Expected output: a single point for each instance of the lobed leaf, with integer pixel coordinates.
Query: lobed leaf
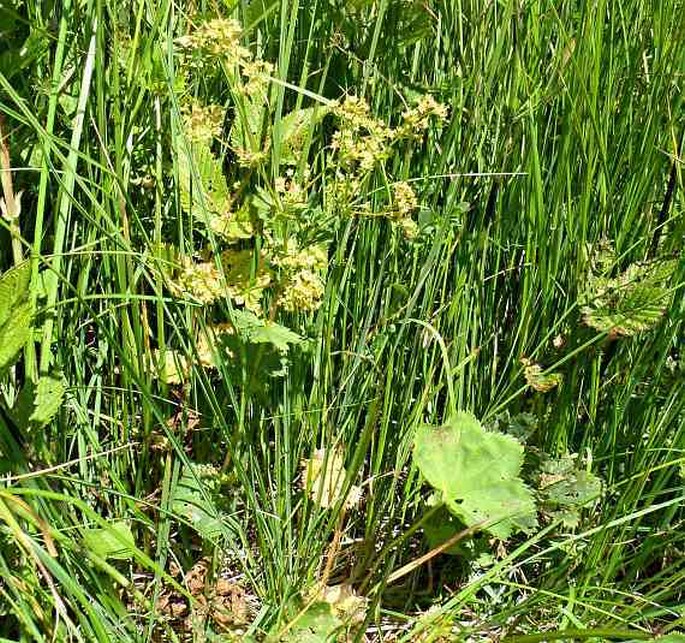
(477, 474)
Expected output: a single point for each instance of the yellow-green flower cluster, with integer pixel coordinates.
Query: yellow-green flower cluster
(218, 38)
(416, 121)
(404, 199)
(301, 286)
(404, 205)
(202, 124)
(342, 195)
(249, 158)
(256, 75)
(361, 140)
(314, 257)
(203, 281)
(303, 292)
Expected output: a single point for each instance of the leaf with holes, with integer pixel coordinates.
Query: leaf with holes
(632, 302)
(476, 474)
(536, 377)
(564, 489)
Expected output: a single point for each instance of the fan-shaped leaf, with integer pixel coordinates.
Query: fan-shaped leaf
(477, 474)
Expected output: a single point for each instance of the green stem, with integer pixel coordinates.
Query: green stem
(65, 203)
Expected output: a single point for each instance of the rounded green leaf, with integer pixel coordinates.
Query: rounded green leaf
(477, 474)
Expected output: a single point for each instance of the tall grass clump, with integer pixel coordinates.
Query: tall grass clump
(354, 321)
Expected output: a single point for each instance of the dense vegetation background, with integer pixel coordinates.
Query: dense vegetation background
(255, 253)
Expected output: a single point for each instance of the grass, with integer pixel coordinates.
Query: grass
(564, 136)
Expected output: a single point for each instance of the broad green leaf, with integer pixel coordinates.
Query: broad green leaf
(18, 50)
(14, 334)
(440, 527)
(673, 637)
(194, 498)
(113, 542)
(38, 403)
(318, 624)
(208, 198)
(631, 303)
(258, 331)
(14, 290)
(16, 314)
(247, 131)
(246, 284)
(476, 474)
(324, 476)
(262, 347)
(296, 129)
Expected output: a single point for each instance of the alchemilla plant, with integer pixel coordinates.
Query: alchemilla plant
(266, 233)
(341, 321)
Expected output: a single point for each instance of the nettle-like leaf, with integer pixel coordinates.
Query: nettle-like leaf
(248, 128)
(296, 129)
(565, 489)
(113, 542)
(250, 349)
(208, 198)
(38, 403)
(259, 331)
(632, 302)
(520, 426)
(476, 474)
(194, 499)
(16, 313)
